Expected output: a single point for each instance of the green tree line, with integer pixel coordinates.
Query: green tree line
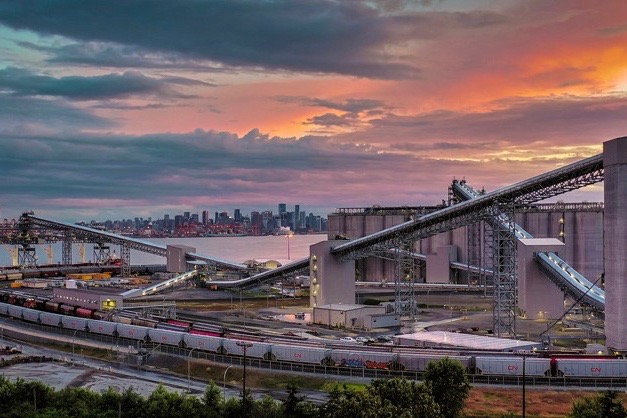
(441, 395)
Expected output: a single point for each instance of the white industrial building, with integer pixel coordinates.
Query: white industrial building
(354, 316)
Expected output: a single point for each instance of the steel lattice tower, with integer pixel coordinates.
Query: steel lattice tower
(125, 256)
(404, 274)
(503, 242)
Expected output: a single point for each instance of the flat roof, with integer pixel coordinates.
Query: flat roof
(470, 341)
(345, 307)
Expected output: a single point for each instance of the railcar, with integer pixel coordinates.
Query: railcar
(102, 327)
(369, 360)
(510, 365)
(256, 349)
(203, 342)
(73, 322)
(591, 367)
(301, 354)
(132, 332)
(165, 336)
(31, 315)
(49, 318)
(420, 361)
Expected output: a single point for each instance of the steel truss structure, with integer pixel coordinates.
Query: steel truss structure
(404, 277)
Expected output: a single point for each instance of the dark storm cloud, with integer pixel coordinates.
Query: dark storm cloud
(22, 114)
(21, 82)
(330, 120)
(311, 35)
(562, 121)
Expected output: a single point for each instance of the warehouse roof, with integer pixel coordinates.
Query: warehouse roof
(467, 341)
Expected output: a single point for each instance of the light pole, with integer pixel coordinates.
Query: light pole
(189, 383)
(73, 335)
(524, 377)
(224, 382)
(288, 245)
(244, 345)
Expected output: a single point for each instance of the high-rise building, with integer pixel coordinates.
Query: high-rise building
(282, 208)
(295, 218)
(205, 217)
(237, 215)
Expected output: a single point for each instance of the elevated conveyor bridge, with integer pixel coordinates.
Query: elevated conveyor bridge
(556, 269)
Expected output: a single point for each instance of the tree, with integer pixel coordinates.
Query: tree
(449, 385)
(605, 404)
(401, 397)
(296, 407)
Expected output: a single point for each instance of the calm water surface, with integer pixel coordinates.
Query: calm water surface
(237, 249)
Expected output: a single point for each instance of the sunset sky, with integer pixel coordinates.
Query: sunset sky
(117, 109)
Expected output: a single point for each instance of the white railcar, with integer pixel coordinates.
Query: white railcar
(72, 322)
(300, 354)
(102, 327)
(257, 349)
(203, 342)
(132, 332)
(419, 361)
(31, 315)
(4, 309)
(15, 311)
(49, 318)
(166, 336)
(591, 367)
(510, 365)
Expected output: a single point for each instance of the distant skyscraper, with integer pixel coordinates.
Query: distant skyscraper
(237, 214)
(205, 217)
(186, 216)
(296, 218)
(282, 208)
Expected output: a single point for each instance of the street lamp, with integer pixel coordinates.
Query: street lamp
(244, 345)
(224, 382)
(524, 377)
(189, 384)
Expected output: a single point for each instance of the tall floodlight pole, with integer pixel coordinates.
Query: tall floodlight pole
(244, 345)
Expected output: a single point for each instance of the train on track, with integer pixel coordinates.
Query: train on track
(214, 339)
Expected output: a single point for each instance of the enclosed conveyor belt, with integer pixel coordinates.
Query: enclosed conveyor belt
(556, 269)
(568, 279)
(159, 287)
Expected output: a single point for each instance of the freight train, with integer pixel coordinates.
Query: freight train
(330, 356)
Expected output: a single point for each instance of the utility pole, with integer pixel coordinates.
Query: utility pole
(244, 345)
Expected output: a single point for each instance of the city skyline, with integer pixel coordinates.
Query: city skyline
(148, 107)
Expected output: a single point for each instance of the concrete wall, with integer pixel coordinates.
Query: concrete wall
(439, 264)
(176, 262)
(332, 280)
(538, 297)
(615, 224)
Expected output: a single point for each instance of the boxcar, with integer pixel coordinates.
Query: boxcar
(4, 309)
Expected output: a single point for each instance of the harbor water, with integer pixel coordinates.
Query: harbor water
(237, 249)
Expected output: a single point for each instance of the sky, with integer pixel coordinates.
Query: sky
(118, 109)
